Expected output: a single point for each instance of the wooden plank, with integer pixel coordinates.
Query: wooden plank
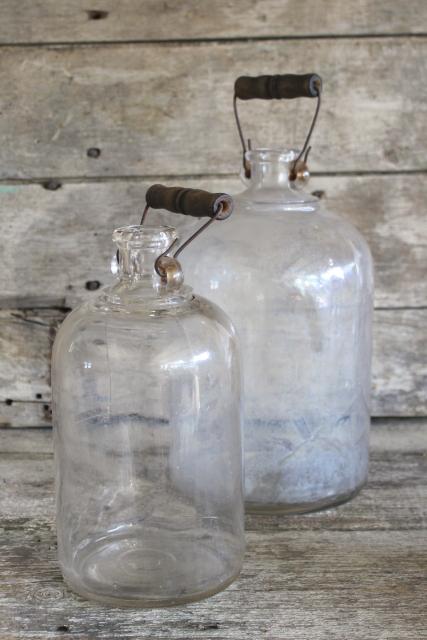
(68, 249)
(26, 413)
(357, 571)
(399, 364)
(54, 242)
(77, 21)
(394, 497)
(400, 380)
(324, 585)
(26, 340)
(393, 435)
(23, 441)
(148, 109)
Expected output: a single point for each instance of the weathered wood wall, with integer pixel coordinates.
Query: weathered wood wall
(148, 86)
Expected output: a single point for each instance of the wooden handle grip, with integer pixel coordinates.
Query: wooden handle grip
(278, 87)
(190, 202)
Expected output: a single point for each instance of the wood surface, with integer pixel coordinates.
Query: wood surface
(49, 21)
(148, 84)
(26, 337)
(150, 110)
(357, 571)
(121, 78)
(65, 234)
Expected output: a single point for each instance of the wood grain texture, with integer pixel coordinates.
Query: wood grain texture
(72, 21)
(399, 364)
(27, 340)
(26, 413)
(357, 571)
(400, 380)
(150, 110)
(53, 242)
(66, 238)
(394, 498)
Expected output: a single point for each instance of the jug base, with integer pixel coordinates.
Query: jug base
(299, 508)
(155, 568)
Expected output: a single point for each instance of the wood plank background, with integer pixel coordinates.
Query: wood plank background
(356, 572)
(151, 110)
(149, 85)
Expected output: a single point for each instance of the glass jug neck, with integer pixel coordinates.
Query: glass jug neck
(138, 249)
(270, 168)
(269, 182)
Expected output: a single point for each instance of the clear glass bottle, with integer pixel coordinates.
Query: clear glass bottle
(297, 283)
(146, 405)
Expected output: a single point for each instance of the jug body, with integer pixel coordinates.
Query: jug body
(297, 283)
(146, 405)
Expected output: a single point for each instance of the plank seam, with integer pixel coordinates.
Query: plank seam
(378, 421)
(375, 419)
(216, 40)
(12, 525)
(420, 308)
(66, 309)
(37, 180)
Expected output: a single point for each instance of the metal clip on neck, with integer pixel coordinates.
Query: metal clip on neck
(190, 202)
(278, 87)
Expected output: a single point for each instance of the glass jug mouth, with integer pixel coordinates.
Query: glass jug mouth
(148, 236)
(269, 183)
(264, 155)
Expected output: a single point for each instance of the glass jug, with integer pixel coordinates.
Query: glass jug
(146, 406)
(297, 282)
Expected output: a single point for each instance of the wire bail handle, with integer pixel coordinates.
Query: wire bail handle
(190, 202)
(278, 87)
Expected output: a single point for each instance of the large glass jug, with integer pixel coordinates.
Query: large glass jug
(146, 405)
(297, 283)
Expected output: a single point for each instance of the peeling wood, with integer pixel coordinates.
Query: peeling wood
(150, 110)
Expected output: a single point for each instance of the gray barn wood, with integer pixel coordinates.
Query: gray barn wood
(353, 572)
(66, 235)
(47, 21)
(150, 110)
(53, 242)
(153, 94)
(399, 366)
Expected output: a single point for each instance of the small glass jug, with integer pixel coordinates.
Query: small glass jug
(297, 282)
(146, 408)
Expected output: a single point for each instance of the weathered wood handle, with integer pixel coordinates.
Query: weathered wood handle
(190, 202)
(278, 87)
